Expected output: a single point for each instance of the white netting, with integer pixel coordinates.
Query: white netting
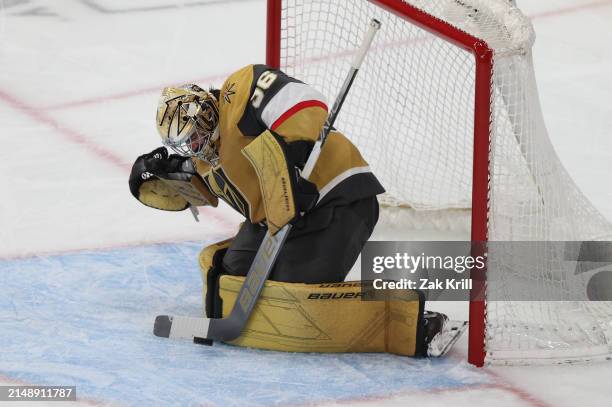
(411, 112)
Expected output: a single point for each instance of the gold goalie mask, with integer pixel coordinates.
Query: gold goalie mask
(187, 120)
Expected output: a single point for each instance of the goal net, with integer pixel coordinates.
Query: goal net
(446, 111)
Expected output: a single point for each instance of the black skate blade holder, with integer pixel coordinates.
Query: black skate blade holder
(202, 341)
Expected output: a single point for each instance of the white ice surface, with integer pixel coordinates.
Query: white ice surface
(78, 92)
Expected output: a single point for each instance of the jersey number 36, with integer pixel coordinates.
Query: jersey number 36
(265, 80)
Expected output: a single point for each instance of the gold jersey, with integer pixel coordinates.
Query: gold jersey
(258, 98)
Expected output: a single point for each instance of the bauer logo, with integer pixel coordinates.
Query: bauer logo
(335, 296)
(260, 272)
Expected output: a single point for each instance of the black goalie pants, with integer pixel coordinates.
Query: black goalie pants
(321, 248)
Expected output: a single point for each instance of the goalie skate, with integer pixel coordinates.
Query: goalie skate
(441, 334)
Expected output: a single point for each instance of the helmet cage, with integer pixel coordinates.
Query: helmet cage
(191, 128)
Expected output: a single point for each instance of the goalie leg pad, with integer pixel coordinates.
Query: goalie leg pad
(330, 317)
(210, 266)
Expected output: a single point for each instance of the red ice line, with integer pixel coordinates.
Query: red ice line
(128, 94)
(38, 115)
(70, 135)
(220, 77)
(229, 229)
(571, 9)
(529, 399)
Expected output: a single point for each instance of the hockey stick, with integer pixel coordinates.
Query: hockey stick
(204, 330)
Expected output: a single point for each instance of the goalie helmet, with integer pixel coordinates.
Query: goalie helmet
(187, 121)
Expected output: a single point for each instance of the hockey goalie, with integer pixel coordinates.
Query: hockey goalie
(246, 144)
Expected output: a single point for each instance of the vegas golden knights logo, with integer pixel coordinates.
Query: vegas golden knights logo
(220, 186)
(228, 92)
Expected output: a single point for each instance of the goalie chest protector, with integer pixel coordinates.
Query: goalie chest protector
(295, 112)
